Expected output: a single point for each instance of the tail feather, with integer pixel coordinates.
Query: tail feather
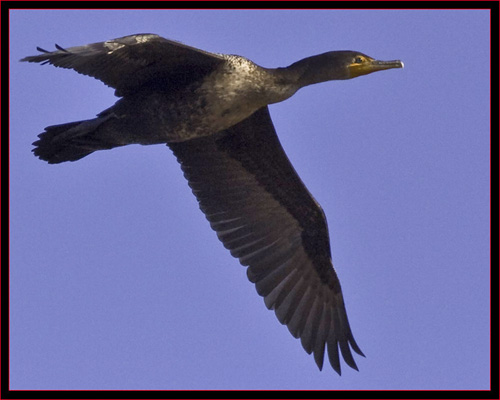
(71, 141)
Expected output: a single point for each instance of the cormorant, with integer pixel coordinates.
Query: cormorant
(211, 110)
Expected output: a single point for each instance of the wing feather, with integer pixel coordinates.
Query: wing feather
(134, 61)
(265, 216)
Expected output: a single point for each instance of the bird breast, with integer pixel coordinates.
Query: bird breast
(223, 98)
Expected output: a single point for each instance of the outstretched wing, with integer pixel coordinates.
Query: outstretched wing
(134, 61)
(265, 216)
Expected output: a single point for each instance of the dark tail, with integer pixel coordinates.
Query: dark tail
(70, 142)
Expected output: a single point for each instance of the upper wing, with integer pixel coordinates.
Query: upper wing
(265, 216)
(133, 61)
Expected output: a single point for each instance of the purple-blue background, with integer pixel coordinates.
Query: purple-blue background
(118, 282)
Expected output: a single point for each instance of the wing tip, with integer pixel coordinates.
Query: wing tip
(61, 48)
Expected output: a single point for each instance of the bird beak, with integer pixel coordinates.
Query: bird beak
(380, 65)
(370, 66)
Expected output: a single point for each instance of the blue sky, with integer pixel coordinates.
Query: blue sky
(118, 282)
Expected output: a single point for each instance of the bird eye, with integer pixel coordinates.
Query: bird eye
(358, 60)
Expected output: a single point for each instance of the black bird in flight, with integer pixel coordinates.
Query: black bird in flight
(211, 110)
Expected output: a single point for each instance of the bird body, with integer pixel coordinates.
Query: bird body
(211, 110)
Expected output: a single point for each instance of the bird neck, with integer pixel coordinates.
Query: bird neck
(315, 69)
